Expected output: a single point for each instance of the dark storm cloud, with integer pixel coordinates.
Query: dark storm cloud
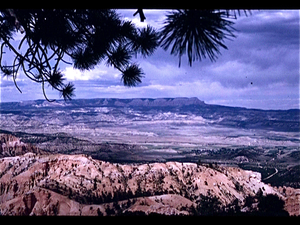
(277, 27)
(270, 38)
(265, 51)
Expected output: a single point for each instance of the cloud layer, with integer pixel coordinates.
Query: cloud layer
(260, 69)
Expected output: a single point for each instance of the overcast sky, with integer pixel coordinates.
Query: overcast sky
(260, 69)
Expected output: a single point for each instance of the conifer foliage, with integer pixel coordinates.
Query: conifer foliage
(84, 38)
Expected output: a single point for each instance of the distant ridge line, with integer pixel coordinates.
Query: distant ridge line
(133, 102)
(160, 102)
(128, 102)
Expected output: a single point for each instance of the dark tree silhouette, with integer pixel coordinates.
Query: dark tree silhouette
(271, 205)
(199, 33)
(89, 37)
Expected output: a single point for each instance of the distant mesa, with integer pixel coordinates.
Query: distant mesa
(150, 102)
(237, 117)
(161, 102)
(109, 102)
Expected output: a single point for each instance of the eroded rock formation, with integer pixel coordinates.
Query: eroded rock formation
(33, 184)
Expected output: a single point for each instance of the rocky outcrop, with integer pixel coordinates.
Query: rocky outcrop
(60, 184)
(13, 146)
(292, 199)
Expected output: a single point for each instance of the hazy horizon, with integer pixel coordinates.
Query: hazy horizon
(69, 101)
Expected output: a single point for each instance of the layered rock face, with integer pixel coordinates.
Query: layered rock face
(12, 146)
(33, 184)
